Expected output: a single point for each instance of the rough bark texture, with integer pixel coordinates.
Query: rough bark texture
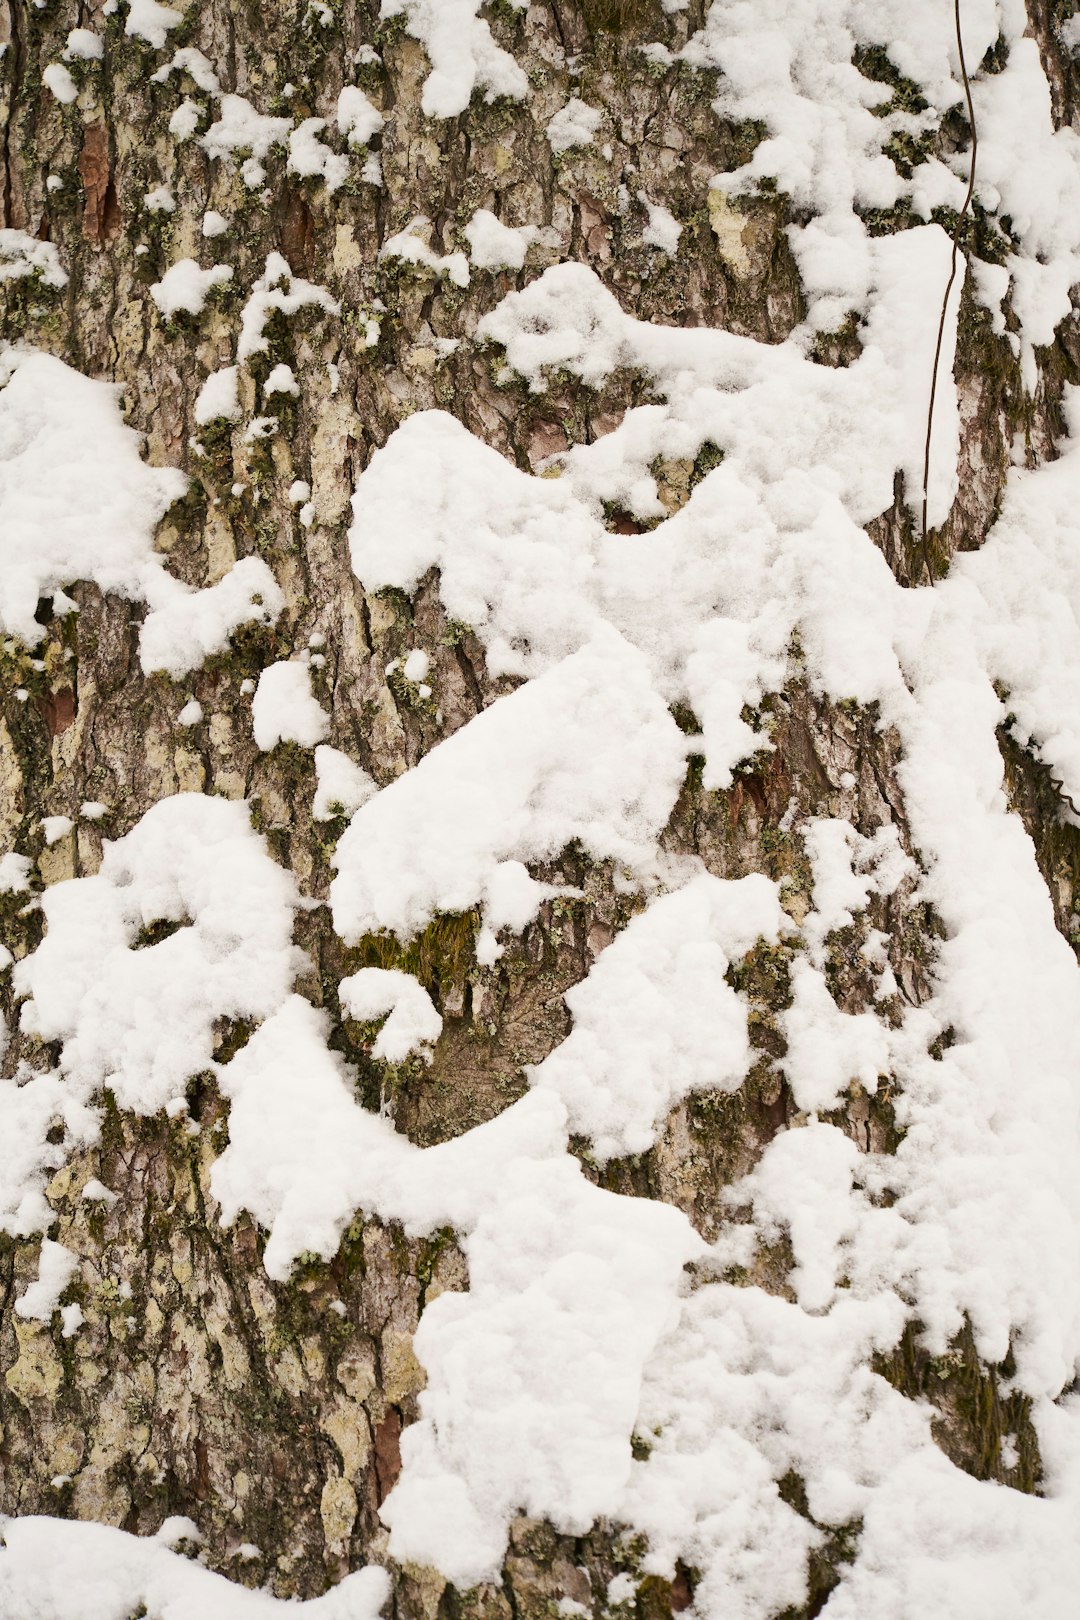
(196, 1385)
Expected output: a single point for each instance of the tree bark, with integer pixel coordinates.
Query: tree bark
(196, 1384)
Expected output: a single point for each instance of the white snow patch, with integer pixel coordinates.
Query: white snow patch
(284, 709)
(140, 1018)
(308, 156)
(357, 119)
(57, 79)
(56, 1267)
(413, 1025)
(412, 245)
(463, 55)
(655, 1019)
(151, 21)
(22, 255)
(495, 246)
(277, 289)
(83, 46)
(218, 399)
(185, 287)
(56, 827)
(573, 125)
(343, 786)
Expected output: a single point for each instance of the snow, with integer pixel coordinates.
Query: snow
(191, 714)
(44, 1561)
(416, 665)
(83, 46)
(463, 55)
(586, 751)
(654, 1019)
(160, 201)
(197, 67)
(56, 1267)
(412, 246)
(15, 873)
(214, 224)
(579, 1328)
(357, 119)
(308, 157)
(281, 381)
(96, 1192)
(343, 786)
(141, 1017)
(413, 1024)
(151, 21)
(573, 125)
(57, 79)
(76, 500)
(663, 230)
(240, 129)
(495, 246)
(185, 287)
(277, 289)
(29, 1106)
(185, 121)
(22, 255)
(284, 708)
(190, 625)
(218, 398)
(56, 827)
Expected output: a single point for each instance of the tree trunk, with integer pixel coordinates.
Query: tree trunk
(242, 1354)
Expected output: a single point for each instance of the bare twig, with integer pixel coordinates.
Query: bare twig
(961, 218)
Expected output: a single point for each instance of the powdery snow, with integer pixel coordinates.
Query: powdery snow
(310, 158)
(45, 1561)
(23, 255)
(412, 1023)
(78, 502)
(655, 1019)
(284, 708)
(140, 1017)
(56, 1267)
(184, 288)
(580, 1328)
(218, 399)
(587, 752)
(463, 55)
(357, 119)
(574, 125)
(495, 246)
(57, 79)
(151, 21)
(277, 289)
(343, 786)
(412, 246)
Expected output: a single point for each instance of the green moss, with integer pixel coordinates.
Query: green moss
(977, 1408)
(444, 953)
(708, 458)
(874, 63)
(153, 933)
(888, 221)
(907, 151)
(620, 16)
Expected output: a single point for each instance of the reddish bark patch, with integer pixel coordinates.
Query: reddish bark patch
(388, 1452)
(298, 235)
(58, 710)
(101, 215)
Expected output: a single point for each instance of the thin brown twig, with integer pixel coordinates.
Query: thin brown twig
(961, 218)
(1059, 787)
